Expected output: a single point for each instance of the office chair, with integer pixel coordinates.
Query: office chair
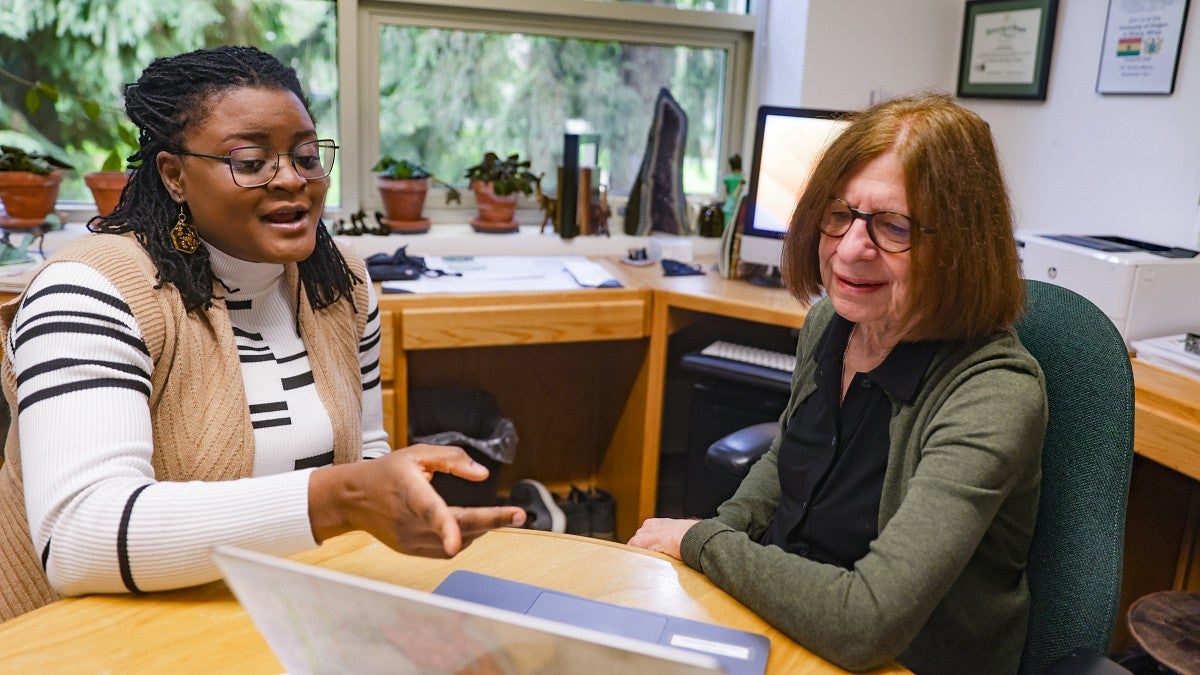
(1077, 550)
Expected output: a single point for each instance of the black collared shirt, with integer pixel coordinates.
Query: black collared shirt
(834, 455)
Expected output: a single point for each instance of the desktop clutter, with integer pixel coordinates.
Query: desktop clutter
(472, 420)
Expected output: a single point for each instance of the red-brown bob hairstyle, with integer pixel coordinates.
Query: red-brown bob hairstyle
(964, 272)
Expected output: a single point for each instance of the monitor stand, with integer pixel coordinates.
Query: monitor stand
(765, 275)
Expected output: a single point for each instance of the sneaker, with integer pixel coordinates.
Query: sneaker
(542, 513)
(575, 506)
(602, 514)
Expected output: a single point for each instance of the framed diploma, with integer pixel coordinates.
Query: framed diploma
(1006, 48)
(1141, 46)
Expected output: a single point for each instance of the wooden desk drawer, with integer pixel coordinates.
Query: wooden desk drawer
(515, 324)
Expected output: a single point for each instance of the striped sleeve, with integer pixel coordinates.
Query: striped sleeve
(375, 440)
(99, 519)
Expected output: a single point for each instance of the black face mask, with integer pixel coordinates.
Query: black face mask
(400, 266)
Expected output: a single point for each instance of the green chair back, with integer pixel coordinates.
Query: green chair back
(1076, 556)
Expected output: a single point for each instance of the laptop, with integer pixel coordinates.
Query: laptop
(323, 621)
(738, 652)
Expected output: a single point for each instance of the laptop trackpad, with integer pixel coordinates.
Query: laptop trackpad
(598, 616)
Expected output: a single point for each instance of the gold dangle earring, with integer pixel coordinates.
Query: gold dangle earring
(184, 236)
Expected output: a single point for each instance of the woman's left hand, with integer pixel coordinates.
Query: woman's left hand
(663, 535)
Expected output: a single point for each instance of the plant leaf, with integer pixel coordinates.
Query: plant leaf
(32, 101)
(91, 109)
(112, 162)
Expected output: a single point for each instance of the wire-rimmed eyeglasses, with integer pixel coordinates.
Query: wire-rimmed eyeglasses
(256, 165)
(888, 230)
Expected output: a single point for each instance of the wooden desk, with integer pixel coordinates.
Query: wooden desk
(204, 630)
(580, 373)
(572, 369)
(1167, 418)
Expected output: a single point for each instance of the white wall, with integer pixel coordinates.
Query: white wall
(1079, 162)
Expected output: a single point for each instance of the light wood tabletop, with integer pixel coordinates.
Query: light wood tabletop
(204, 630)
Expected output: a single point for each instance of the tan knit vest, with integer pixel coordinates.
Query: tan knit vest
(201, 420)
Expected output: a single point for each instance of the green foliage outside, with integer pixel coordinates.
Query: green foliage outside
(448, 96)
(65, 63)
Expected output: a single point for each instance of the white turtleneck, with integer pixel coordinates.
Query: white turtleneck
(87, 441)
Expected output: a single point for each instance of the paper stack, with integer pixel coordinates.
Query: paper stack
(1168, 352)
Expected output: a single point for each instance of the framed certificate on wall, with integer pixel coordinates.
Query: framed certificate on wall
(1006, 48)
(1141, 46)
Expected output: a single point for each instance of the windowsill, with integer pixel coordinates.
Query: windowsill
(455, 239)
(446, 239)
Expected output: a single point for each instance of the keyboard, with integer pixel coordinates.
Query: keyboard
(751, 355)
(743, 363)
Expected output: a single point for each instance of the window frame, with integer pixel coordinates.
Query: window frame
(358, 57)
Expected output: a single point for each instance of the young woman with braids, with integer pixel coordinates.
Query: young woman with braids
(205, 368)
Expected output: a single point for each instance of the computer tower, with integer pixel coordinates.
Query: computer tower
(720, 406)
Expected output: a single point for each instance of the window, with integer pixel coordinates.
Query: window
(437, 81)
(442, 84)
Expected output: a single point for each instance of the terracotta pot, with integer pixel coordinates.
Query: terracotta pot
(28, 196)
(403, 198)
(106, 188)
(495, 212)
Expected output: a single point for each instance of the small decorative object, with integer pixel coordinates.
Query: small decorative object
(1142, 42)
(733, 188)
(496, 183)
(1191, 343)
(402, 187)
(656, 201)
(547, 203)
(711, 222)
(358, 225)
(29, 183)
(1006, 48)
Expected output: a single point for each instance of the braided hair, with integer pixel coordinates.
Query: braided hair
(173, 95)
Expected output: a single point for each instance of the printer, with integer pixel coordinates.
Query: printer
(1148, 290)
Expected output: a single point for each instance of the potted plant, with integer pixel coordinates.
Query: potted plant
(29, 183)
(108, 183)
(402, 186)
(496, 183)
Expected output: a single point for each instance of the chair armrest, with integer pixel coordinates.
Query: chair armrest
(733, 455)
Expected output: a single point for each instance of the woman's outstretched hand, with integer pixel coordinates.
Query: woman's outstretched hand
(391, 498)
(664, 535)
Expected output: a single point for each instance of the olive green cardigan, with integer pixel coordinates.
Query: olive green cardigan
(943, 587)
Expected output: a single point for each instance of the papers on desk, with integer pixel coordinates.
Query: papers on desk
(501, 273)
(1168, 352)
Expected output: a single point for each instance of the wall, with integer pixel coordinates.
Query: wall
(1079, 162)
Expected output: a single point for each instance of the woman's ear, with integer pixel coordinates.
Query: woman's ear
(170, 168)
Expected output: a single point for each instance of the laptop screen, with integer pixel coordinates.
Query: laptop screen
(322, 621)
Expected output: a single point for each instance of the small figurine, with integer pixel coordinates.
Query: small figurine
(733, 187)
(549, 205)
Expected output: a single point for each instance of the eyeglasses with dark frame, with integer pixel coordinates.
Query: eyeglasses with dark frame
(888, 230)
(256, 165)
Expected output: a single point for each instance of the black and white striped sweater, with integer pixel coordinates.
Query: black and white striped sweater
(86, 440)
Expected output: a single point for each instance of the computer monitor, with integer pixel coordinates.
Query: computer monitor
(787, 144)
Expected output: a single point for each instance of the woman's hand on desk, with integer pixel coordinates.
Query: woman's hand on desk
(662, 534)
(391, 498)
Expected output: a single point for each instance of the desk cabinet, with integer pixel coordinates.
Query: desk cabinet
(571, 369)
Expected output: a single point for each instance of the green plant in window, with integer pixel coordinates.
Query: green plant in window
(507, 176)
(403, 169)
(16, 159)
